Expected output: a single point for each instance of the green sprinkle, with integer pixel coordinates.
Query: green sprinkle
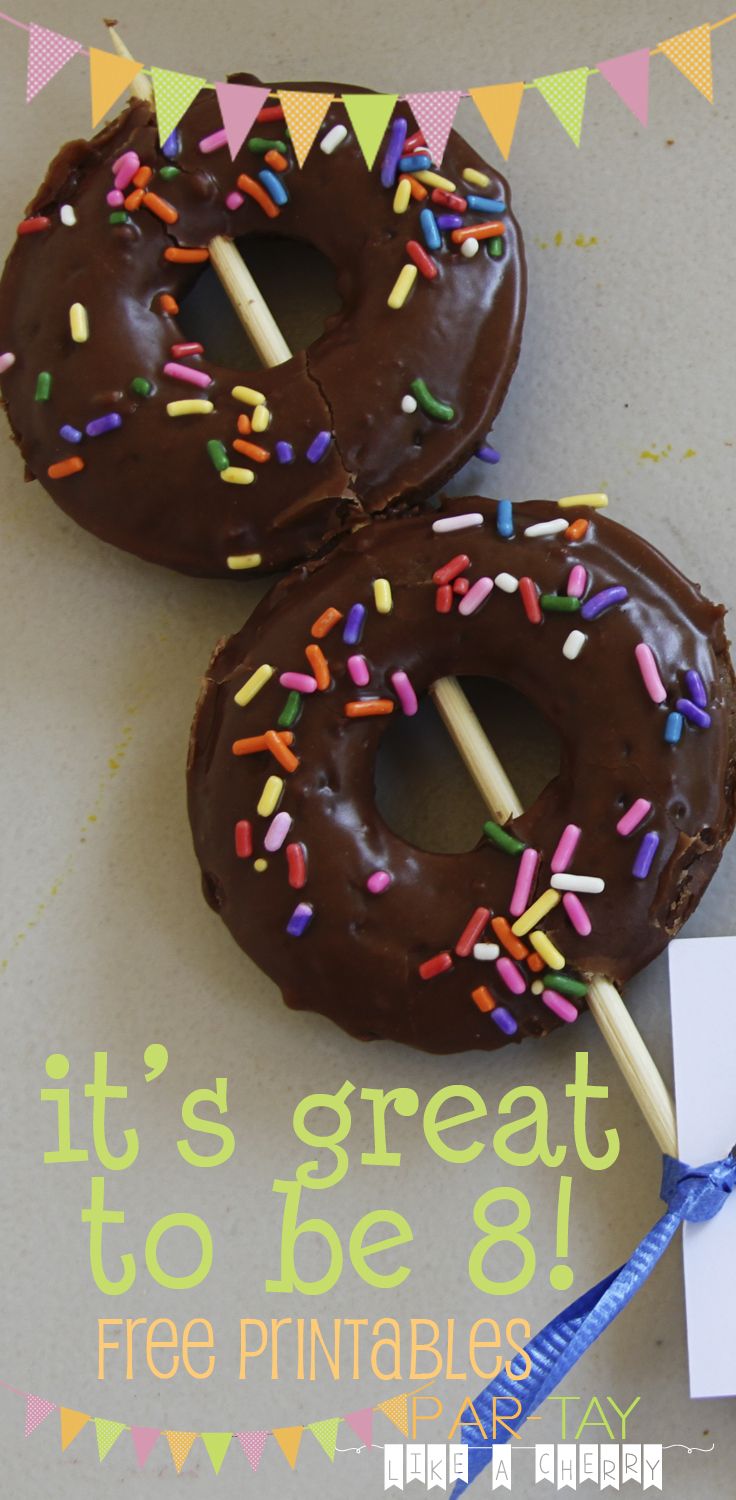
(502, 839)
(439, 410)
(168, 172)
(140, 386)
(495, 247)
(564, 985)
(290, 711)
(43, 386)
(218, 454)
(119, 217)
(260, 146)
(559, 602)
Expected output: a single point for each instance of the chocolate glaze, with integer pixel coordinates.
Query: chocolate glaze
(358, 960)
(150, 486)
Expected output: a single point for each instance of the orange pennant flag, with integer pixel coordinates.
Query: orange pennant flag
(691, 53)
(498, 105)
(304, 114)
(289, 1438)
(108, 76)
(180, 1444)
(72, 1423)
(397, 1411)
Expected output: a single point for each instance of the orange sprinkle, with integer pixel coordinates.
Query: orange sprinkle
(186, 257)
(483, 998)
(134, 200)
(505, 935)
(318, 662)
(275, 744)
(244, 424)
(65, 467)
(259, 194)
(486, 231)
(168, 304)
(143, 177)
(577, 529)
(535, 962)
(326, 622)
(368, 708)
(417, 189)
(252, 450)
(160, 208)
(276, 161)
(258, 742)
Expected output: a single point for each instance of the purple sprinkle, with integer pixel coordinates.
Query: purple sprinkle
(644, 855)
(284, 453)
(378, 882)
(504, 1020)
(172, 146)
(318, 447)
(696, 688)
(597, 603)
(108, 423)
(449, 221)
(300, 919)
(487, 454)
(353, 629)
(70, 434)
(693, 713)
(397, 135)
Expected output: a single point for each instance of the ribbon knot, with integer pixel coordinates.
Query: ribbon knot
(697, 1193)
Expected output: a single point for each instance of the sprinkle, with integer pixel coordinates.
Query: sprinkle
(503, 840)
(402, 287)
(213, 142)
(423, 262)
(576, 581)
(547, 950)
(458, 523)
(645, 855)
(186, 257)
(101, 425)
(234, 201)
(530, 600)
(564, 985)
(140, 386)
(536, 913)
(260, 145)
(449, 221)
(577, 914)
(326, 622)
(168, 173)
(274, 187)
(635, 815)
(506, 937)
(277, 832)
(503, 1019)
(354, 625)
(7, 361)
(559, 1006)
(114, 198)
(125, 169)
(261, 418)
(402, 196)
(559, 604)
(577, 529)
(595, 502)
(269, 113)
(433, 179)
(34, 225)
(415, 142)
(392, 154)
(257, 192)
(475, 596)
(418, 192)
(536, 986)
(382, 596)
(472, 931)
(650, 674)
(181, 351)
(488, 230)
(590, 885)
(525, 877)
(696, 689)
(298, 682)
(300, 919)
(508, 972)
(434, 966)
(485, 452)
(186, 373)
(453, 201)
(70, 434)
(574, 644)
(485, 205)
(296, 864)
(405, 693)
(217, 453)
(284, 453)
(506, 583)
(65, 467)
(461, 586)
(368, 708)
(440, 411)
(318, 447)
(358, 669)
(159, 206)
(693, 713)
(189, 408)
(255, 743)
(545, 528)
(270, 796)
(133, 202)
(452, 569)
(485, 953)
(318, 662)
(333, 139)
(168, 304)
(483, 998)
(597, 603)
(255, 682)
(565, 851)
(379, 882)
(118, 217)
(243, 839)
(252, 451)
(420, 162)
(673, 728)
(67, 215)
(276, 160)
(172, 145)
(234, 475)
(478, 179)
(443, 599)
(43, 386)
(278, 744)
(505, 518)
(291, 710)
(430, 230)
(469, 248)
(495, 247)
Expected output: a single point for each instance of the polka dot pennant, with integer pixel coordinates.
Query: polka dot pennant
(107, 1435)
(37, 1410)
(326, 1435)
(48, 51)
(252, 1444)
(304, 113)
(434, 114)
(691, 53)
(180, 1443)
(173, 92)
(565, 95)
(397, 1411)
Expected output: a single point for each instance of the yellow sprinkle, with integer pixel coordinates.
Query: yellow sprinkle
(569, 502)
(270, 796)
(246, 394)
(256, 681)
(260, 865)
(402, 286)
(433, 179)
(245, 560)
(79, 323)
(260, 419)
(382, 596)
(402, 196)
(188, 408)
(536, 913)
(546, 950)
(237, 476)
(478, 179)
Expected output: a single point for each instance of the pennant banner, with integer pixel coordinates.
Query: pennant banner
(434, 114)
(397, 1411)
(107, 1435)
(565, 95)
(498, 106)
(37, 1410)
(173, 93)
(362, 1424)
(181, 1444)
(48, 51)
(144, 1440)
(253, 1444)
(239, 104)
(326, 1435)
(369, 115)
(691, 53)
(304, 114)
(109, 75)
(289, 1441)
(629, 76)
(217, 1444)
(71, 1423)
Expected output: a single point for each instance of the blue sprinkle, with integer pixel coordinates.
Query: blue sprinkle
(108, 423)
(449, 221)
(353, 628)
(172, 146)
(397, 136)
(673, 728)
(318, 447)
(487, 454)
(300, 919)
(504, 1020)
(597, 603)
(505, 518)
(274, 187)
(485, 205)
(696, 688)
(70, 434)
(430, 231)
(644, 856)
(418, 163)
(693, 712)
(284, 453)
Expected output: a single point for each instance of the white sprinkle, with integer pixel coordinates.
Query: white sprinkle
(67, 214)
(590, 883)
(574, 644)
(469, 248)
(458, 523)
(486, 952)
(546, 528)
(6, 362)
(333, 139)
(408, 404)
(475, 596)
(507, 582)
(536, 987)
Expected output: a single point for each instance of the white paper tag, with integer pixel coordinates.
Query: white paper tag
(703, 1000)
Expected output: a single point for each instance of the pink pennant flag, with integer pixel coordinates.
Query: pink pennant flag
(239, 104)
(252, 1444)
(629, 76)
(362, 1424)
(144, 1439)
(37, 1410)
(48, 51)
(434, 114)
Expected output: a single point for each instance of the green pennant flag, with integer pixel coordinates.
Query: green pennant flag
(173, 93)
(326, 1432)
(565, 95)
(217, 1444)
(369, 115)
(107, 1435)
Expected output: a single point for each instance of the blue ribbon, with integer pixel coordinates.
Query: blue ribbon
(692, 1194)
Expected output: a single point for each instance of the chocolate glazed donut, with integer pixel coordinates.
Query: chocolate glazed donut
(620, 653)
(378, 412)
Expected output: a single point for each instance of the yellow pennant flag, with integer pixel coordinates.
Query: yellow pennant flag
(108, 76)
(180, 1444)
(397, 1411)
(498, 105)
(304, 114)
(288, 1439)
(72, 1423)
(691, 53)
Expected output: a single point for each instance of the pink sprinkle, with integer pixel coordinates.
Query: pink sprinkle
(378, 882)
(635, 815)
(524, 882)
(405, 693)
(213, 142)
(563, 855)
(508, 972)
(6, 362)
(301, 682)
(277, 831)
(179, 349)
(184, 372)
(115, 198)
(234, 200)
(358, 669)
(475, 596)
(650, 673)
(125, 168)
(561, 1007)
(577, 913)
(576, 582)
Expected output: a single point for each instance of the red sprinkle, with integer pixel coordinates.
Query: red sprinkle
(470, 934)
(443, 599)
(296, 861)
(437, 965)
(271, 112)
(33, 226)
(452, 201)
(421, 259)
(181, 350)
(530, 600)
(461, 586)
(243, 839)
(412, 141)
(452, 569)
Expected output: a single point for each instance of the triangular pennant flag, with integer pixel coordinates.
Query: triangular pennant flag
(48, 51)
(362, 1424)
(369, 115)
(180, 1443)
(173, 93)
(434, 114)
(217, 1444)
(72, 1423)
(108, 76)
(289, 1440)
(107, 1434)
(397, 1411)
(37, 1410)
(304, 114)
(499, 105)
(565, 95)
(239, 104)
(326, 1435)
(252, 1444)
(144, 1439)
(691, 53)
(629, 76)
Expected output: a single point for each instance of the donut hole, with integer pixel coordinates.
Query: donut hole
(422, 790)
(298, 282)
